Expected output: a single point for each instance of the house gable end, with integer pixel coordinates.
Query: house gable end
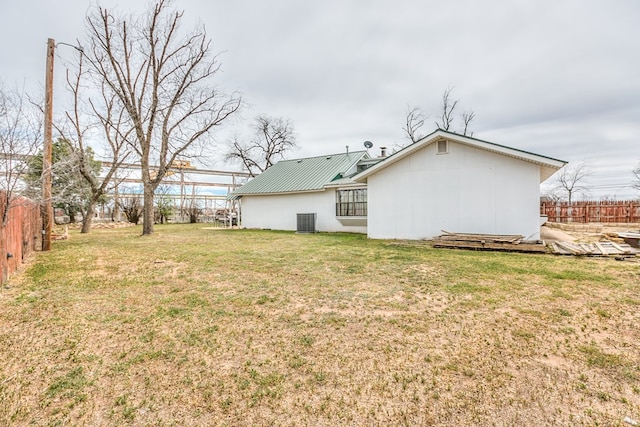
(548, 165)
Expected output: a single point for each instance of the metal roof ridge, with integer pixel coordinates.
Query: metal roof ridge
(323, 156)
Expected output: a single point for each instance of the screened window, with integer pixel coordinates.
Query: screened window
(351, 202)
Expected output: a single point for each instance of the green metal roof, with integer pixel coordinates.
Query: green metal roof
(299, 175)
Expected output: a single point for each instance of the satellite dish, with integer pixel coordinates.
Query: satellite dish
(368, 144)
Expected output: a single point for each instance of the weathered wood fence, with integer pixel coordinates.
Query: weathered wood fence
(604, 211)
(21, 235)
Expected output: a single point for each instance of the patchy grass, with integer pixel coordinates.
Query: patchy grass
(236, 327)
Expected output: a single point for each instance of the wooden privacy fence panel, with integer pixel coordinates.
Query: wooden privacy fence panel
(21, 236)
(624, 211)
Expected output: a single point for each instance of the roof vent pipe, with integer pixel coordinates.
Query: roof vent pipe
(383, 151)
(347, 149)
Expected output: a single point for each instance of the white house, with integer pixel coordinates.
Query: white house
(444, 181)
(274, 198)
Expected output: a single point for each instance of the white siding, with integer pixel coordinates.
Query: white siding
(279, 212)
(466, 190)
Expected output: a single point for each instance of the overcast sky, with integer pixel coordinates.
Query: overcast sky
(559, 78)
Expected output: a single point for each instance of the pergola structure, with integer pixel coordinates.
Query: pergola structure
(190, 181)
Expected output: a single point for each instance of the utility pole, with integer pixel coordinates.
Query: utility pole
(47, 209)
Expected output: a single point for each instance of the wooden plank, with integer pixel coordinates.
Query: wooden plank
(619, 248)
(464, 238)
(510, 238)
(498, 246)
(611, 250)
(575, 250)
(558, 250)
(588, 248)
(601, 248)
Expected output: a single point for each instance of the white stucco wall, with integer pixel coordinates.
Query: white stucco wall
(279, 212)
(466, 190)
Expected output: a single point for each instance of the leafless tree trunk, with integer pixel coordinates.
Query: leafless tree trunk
(163, 84)
(415, 121)
(20, 137)
(272, 139)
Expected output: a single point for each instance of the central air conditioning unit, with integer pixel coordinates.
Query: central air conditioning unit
(306, 223)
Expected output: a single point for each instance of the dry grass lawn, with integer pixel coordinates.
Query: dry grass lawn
(194, 326)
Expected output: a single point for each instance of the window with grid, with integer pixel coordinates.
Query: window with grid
(351, 202)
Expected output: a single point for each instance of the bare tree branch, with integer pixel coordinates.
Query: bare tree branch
(415, 121)
(467, 118)
(273, 138)
(448, 107)
(552, 195)
(636, 173)
(20, 138)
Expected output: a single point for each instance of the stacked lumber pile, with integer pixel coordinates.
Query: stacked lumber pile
(603, 248)
(496, 242)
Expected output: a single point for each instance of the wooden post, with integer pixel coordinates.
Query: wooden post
(116, 200)
(181, 195)
(47, 210)
(587, 207)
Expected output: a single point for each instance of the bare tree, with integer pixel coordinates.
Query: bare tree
(131, 207)
(415, 118)
(552, 195)
(162, 87)
(415, 121)
(20, 137)
(448, 107)
(467, 118)
(113, 128)
(273, 138)
(636, 183)
(572, 180)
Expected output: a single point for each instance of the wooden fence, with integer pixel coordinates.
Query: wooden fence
(606, 211)
(21, 236)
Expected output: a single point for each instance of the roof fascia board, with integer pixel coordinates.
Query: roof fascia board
(281, 193)
(346, 184)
